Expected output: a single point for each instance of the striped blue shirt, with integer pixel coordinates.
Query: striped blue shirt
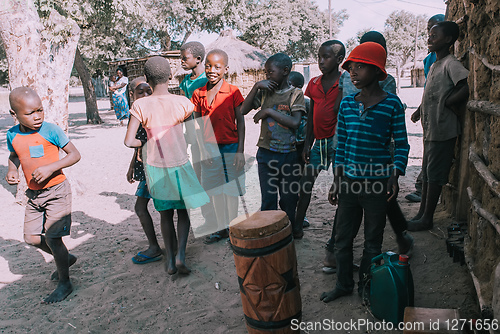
(364, 137)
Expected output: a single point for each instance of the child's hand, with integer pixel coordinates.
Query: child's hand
(306, 153)
(42, 173)
(416, 115)
(12, 177)
(261, 114)
(130, 175)
(267, 84)
(333, 197)
(239, 161)
(392, 188)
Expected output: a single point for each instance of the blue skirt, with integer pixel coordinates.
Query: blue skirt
(175, 187)
(120, 106)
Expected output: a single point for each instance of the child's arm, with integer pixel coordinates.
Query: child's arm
(247, 105)
(239, 158)
(292, 121)
(199, 130)
(309, 133)
(12, 176)
(42, 173)
(459, 95)
(130, 172)
(401, 150)
(133, 126)
(339, 160)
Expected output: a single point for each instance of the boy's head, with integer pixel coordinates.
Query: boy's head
(157, 71)
(374, 36)
(192, 54)
(442, 36)
(278, 67)
(216, 65)
(330, 56)
(369, 58)
(296, 79)
(434, 20)
(139, 88)
(26, 107)
(112, 78)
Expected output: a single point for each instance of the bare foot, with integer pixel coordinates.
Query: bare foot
(420, 225)
(417, 217)
(60, 293)
(55, 274)
(170, 267)
(330, 260)
(332, 295)
(183, 270)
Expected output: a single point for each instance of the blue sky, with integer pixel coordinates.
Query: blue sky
(363, 14)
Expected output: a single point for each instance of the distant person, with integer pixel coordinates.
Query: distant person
(139, 89)
(34, 144)
(221, 141)
(281, 108)
(170, 177)
(120, 102)
(445, 93)
(365, 178)
(323, 92)
(416, 196)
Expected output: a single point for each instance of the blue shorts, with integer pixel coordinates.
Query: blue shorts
(142, 190)
(222, 177)
(322, 154)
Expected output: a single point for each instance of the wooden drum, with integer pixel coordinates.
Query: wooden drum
(266, 264)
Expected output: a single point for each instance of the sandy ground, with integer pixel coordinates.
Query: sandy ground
(113, 295)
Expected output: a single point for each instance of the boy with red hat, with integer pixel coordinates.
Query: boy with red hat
(365, 176)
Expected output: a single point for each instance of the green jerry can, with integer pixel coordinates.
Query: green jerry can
(391, 288)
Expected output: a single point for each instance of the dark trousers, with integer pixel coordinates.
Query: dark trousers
(396, 218)
(353, 205)
(279, 175)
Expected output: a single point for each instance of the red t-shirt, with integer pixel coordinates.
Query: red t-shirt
(220, 125)
(324, 118)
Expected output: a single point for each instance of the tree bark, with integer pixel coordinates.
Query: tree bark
(88, 90)
(39, 62)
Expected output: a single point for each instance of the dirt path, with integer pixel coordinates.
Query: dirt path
(113, 295)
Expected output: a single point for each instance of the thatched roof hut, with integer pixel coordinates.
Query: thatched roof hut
(246, 62)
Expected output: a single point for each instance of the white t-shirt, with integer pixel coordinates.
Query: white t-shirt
(123, 80)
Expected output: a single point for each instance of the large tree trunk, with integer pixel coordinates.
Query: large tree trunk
(39, 62)
(88, 90)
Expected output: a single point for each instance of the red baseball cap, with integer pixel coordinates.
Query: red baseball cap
(368, 53)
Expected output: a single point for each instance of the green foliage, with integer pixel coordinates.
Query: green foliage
(400, 30)
(295, 27)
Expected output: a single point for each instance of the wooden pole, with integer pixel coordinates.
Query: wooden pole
(415, 58)
(330, 17)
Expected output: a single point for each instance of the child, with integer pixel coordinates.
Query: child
(323, 92)
(140, 88)
(281, 109)
(416, 196)
(192, 55)
(221, 141)
(366, 123)
(445, 93)
(34, 144)
(396, 217)
(170, 177)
